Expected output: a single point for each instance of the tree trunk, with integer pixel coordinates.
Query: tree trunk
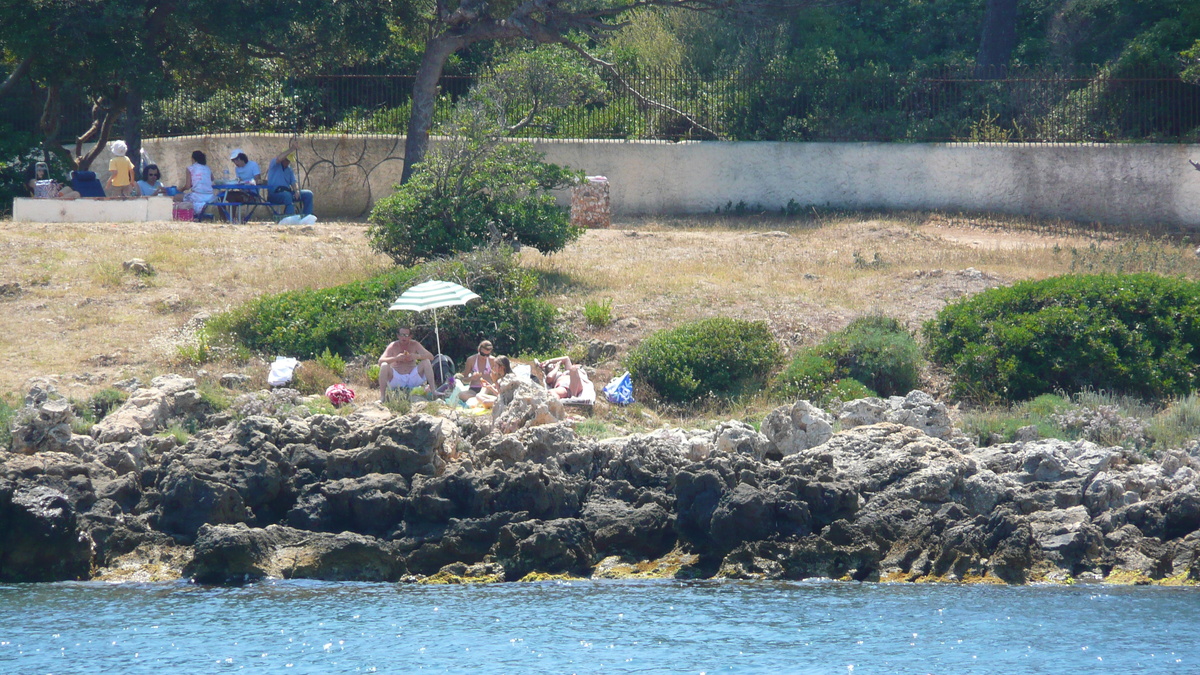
(997, 39)
(424, 97)
(133, 128)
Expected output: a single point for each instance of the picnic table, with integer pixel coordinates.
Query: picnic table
(240, 211)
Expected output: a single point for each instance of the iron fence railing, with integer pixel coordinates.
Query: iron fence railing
(951, 105)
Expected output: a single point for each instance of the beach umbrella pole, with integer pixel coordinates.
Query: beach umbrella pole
(436, 334)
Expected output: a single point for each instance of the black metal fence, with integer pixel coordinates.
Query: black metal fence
(953, 105)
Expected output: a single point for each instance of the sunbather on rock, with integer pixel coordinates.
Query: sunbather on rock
(564, 378)
(489, 391)
(405, 363)
(478, 371)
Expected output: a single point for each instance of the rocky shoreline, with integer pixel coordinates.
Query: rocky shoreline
(267, 490)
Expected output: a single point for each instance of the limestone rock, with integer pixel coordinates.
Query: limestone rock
(798, 427)
(740, 438)
(234, 381)
(44, 426)
(918, 410)
(138, 266)
(523, 404)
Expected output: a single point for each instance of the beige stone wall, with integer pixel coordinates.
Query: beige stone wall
(1130, 183)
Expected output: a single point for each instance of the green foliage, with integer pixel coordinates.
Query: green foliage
(105, 401)
(352, 319)
(334, 362)
(213, 396)
(847, 389)
(471, 189)
(878, 352)
(176, 431)
(598, 313)
(397, 401)
(1177, 425)
(717, 357)
(1129, 333)
(872, 354)
(8, 410)
(808, 376)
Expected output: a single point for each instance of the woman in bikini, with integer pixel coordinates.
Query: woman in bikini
(564, 378)
(479, 370)
(489, 391)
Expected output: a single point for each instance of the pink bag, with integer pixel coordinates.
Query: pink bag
(182, 211)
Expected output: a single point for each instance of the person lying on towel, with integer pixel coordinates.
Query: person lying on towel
(564, 378)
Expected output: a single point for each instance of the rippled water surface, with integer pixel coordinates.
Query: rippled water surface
(586, 627)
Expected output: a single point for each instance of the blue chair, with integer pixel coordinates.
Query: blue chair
(86, 184)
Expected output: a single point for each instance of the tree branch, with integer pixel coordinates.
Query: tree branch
(16, 75)
(641, 98)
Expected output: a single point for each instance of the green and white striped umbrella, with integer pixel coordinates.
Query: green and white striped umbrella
(432, 295)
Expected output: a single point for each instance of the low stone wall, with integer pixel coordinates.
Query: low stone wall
(1130, 183)
(91, 210)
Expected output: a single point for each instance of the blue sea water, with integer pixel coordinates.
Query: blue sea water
(597, 627)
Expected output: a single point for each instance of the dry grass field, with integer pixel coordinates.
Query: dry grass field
(69, 310)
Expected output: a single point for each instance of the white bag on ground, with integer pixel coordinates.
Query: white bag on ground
(281, 371)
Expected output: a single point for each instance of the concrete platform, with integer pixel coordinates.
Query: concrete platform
(136, 210)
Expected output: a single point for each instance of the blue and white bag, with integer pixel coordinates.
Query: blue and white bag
(619, 390)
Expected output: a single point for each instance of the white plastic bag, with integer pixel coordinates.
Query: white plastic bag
(281, 371)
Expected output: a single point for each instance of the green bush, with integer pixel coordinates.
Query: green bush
(808, 376)
(334, 362)
(711, 357)
(101, 404)
(353, 319)
(471, 188)
(878, 352)
(875, 352)
(598, 313)
(1134, 334)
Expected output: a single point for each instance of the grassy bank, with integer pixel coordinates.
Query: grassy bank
(79, 316)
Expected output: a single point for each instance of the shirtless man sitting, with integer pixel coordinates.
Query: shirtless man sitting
(564, 378)
(405, 363)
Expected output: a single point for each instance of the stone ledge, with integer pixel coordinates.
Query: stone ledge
(87, 210)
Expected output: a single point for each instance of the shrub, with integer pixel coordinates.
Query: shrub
(471, 188)
(101, 404)
(333, 362)
(1129, 333)
(352, 319)
(878, 352)
(848, 389)
(598, 313)
(715, 356)
(1177, 424)
(874, 355)
(314, 377)
(808, 376)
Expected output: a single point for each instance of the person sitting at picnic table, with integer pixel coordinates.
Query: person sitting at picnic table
(564, 378)
(151, 183)
(247, 172)
(282, 187)
(478, 370)
(197, 184)
(404, 364)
